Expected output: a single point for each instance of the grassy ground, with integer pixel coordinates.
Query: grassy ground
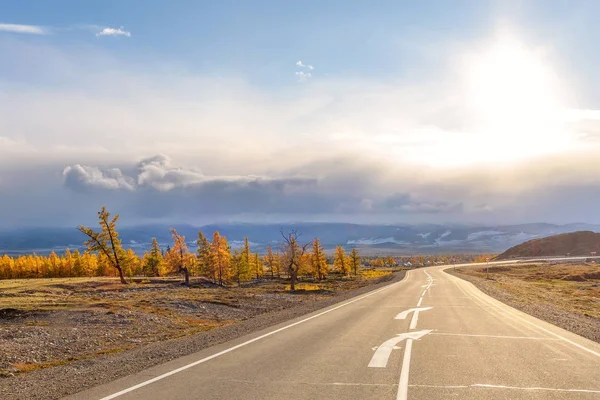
(567, 295)
(48, 322)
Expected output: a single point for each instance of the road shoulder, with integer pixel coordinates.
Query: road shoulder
(586, 327)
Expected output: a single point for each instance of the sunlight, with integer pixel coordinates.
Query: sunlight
(510, 88)
(513, 102)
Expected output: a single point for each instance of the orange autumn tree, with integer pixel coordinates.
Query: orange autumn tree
(340, 261)
(354, 261)
(179, 258)
(106, 241)
(272, 262)
(318, 261)
(221, 258)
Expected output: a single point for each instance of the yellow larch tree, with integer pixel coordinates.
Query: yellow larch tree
(180, 257)
(318, 261)
(221, 256)
(272, 262)
(340, 262)
(354, 261)
(206, 268)
(106, 241)
(258, 266)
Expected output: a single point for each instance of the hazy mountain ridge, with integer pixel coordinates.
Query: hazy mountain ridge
(426, 238)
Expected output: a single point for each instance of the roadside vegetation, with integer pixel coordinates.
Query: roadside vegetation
(50, 322)
(567, 295)
(57, 309)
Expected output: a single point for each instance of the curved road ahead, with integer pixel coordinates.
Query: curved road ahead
(430, 336)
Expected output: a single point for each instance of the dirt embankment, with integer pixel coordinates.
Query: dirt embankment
(57, 348)
(567, 296)
(581, 243)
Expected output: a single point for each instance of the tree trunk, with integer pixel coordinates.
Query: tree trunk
(123, 281)
(292, 281)
(186, 275)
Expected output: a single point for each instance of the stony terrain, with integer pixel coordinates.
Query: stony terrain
(566, 295)
(60, 336)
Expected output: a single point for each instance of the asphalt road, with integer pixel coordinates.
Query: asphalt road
(459, 344)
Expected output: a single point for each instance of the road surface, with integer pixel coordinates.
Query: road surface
(430, 336)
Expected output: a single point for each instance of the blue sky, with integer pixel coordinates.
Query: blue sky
(258, 40)
(261, 39)
(399, 111)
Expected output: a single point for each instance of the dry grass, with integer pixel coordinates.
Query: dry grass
(48, 322)
(580, 243)
(375, 273)
(307, 287)
(571, 288)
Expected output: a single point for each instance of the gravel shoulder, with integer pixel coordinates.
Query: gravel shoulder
(573, 305)
(77, 375)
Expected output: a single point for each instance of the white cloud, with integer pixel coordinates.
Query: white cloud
(302, 65)
(27, 29)
(42, 30)
(82, 176)
(113, 32)
(159, 173)
(303, 76)
(230, 128)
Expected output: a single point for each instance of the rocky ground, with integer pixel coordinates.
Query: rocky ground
(567, 296)
(57, 338)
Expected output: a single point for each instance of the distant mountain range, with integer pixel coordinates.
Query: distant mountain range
(393, 239)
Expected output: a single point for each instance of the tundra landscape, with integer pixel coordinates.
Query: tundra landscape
(564, 294)
(275, 200)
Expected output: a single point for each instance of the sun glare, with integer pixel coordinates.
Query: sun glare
(510, 88)
(513, 101)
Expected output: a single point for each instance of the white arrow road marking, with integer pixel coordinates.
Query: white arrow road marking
(383, 352)
(405, 313)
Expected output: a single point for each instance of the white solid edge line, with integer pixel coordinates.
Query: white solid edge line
(492, 336)
(508, 310)
(485, 385)
(404, 373)
(488, 386)
(175, 371)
